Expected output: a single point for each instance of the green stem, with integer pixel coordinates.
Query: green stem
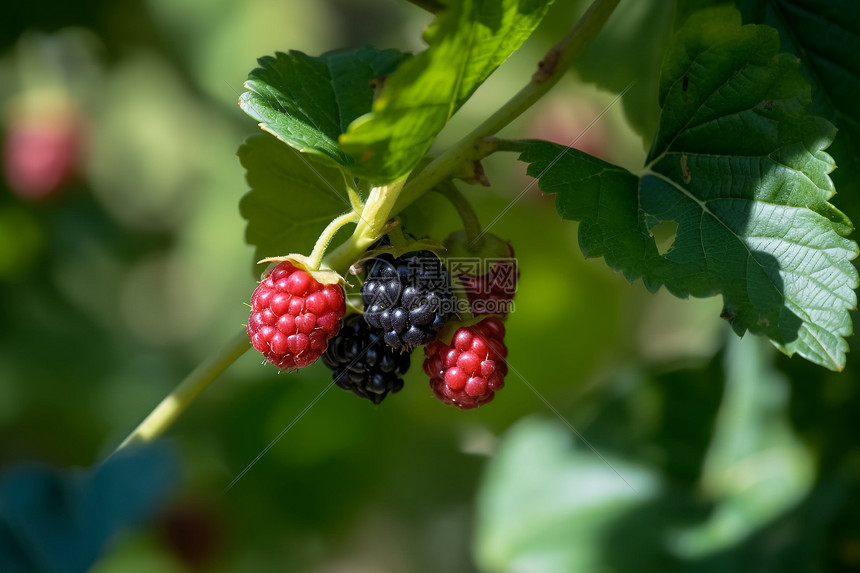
(386, 202)
(377, 209)
(374, 216)
(327, 235)
(354, 198)
(169, 409)
(475, 145)
(467, 213)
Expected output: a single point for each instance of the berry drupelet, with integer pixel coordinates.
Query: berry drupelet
(492, 292)
(469, 371)
(293, 316)
(362, 363)
(408, 298)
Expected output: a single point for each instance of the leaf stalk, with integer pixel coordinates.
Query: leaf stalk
(478, 143)
(386, 202)
(471, 224)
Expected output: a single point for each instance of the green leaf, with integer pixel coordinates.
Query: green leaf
(291, 200)
(825, 36)
(756, 469)
(738, 165)
(545, 506)
(307, 102)
(61, 521)
(469, 40)
(627, 55)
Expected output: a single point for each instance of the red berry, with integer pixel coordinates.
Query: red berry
(40, 155)
(493, 291)
(293, 316)
(486, 269)
(467, 373)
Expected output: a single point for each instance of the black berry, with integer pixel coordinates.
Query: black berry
(363, 363)
(408, 298)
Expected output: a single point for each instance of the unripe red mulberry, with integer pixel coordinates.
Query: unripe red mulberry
(293, 316)
(469, 371)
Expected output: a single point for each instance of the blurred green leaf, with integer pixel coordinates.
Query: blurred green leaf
(307, 102)
(469, 40)
(55, 522)
(291, 200)
(544, 505)
(738, 165)
(21, 239)
(756, 469)
(627, 55)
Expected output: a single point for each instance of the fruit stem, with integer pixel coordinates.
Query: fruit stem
(478, 143)
(354, 198)
(371, 224)
(471, 224)
(387, 201)
(327, 235)
(169, 409)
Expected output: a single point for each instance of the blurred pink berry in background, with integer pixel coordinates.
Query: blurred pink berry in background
(41, 154)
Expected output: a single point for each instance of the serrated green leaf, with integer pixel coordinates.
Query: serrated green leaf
(291, 200)
(825, 37)
(469, 40)
(739, 166)
(307, 102)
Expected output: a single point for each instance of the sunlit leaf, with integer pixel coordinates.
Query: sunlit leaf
(307, 102)
(469, 40)
(738, 164)
(825, 37)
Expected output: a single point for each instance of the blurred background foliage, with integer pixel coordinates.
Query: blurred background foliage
(635, 432)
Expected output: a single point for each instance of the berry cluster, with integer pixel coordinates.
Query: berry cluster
(363, 363)
(408, 298)
(293, 316)
(467, 373)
